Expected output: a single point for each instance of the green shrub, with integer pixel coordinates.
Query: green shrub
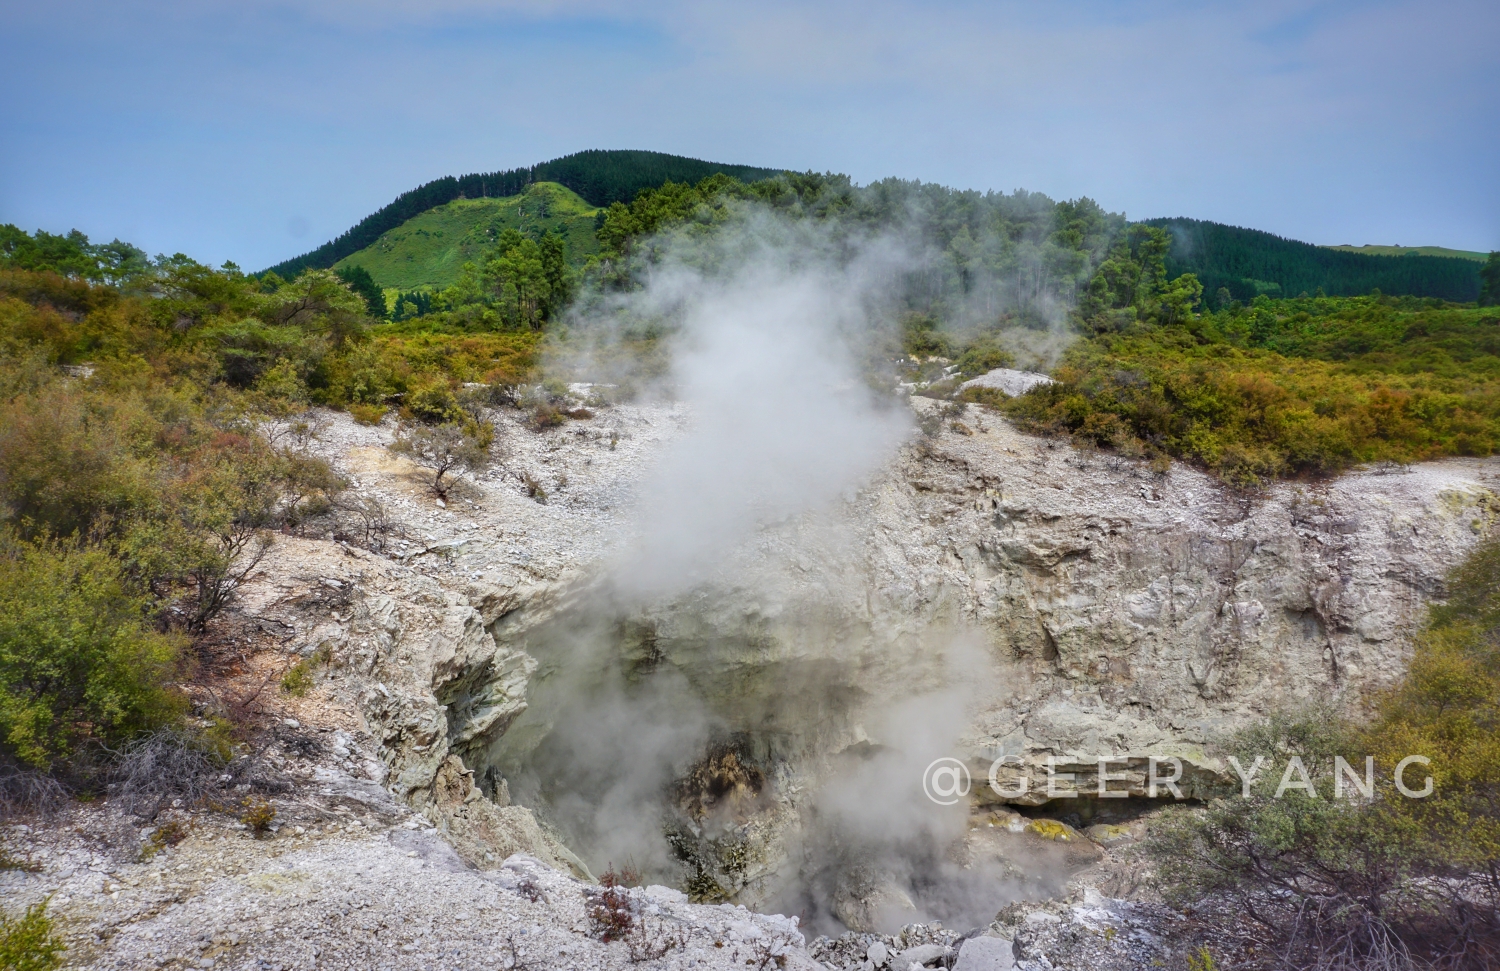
(1310, 876)
(982, 358)
(27, 943)
(1201, 960)
(1448, 707)
(367, 414)
(920, 336)
(434, 404)
(77, 660)
(300, 677)
(258, 815)
(169, 833)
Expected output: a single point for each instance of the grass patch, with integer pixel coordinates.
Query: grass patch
(429, 250)
(300, 677)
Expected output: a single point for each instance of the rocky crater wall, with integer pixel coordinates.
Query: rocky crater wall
(1059, 605)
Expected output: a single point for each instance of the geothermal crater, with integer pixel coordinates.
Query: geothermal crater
(756, 730)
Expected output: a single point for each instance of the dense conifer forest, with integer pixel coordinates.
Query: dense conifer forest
(1248, 263)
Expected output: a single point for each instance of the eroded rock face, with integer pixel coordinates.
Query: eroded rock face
(1085, 606)
(1150, 613)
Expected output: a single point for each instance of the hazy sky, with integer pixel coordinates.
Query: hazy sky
(255, 130)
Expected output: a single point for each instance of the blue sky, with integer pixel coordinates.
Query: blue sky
(254, 130)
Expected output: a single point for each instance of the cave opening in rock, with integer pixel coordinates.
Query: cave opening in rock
(765, 757)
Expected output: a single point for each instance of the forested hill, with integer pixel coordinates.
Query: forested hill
(1248, 262)
(600, 177)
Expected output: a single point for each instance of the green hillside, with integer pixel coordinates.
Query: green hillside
(600, 177)
(427, 250)
(1247, 263)
(1374, 250)
(422, 238)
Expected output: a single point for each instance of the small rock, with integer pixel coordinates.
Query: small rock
(918, 956)
(291, 723)
(1051, 829)
(985, 954)
(1109, 834)
(877, 953)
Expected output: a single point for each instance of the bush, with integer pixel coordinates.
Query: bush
(448, 452)
(367, 414)
(1309, 876)
(26, 791)
(611, 911)
(298, 679)
(434, 405)
(546, 415)
(77, 660)
(983, 357)
(27, 943)
(168, 764)
(1448, 707)
(258, 815)
(170, 833)
(180, 487)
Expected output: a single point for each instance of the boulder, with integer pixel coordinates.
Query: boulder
(985, 954)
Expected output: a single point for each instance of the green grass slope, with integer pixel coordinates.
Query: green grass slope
(427, 250)
(600, 177)
(1374, 250)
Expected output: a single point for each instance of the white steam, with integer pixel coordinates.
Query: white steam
(781, 422)
(770, 327)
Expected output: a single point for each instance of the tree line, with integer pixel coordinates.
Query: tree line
(1248, 263)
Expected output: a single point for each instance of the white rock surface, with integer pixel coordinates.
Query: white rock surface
(1124, 613)
(361, 898)
(1008, 380)
(985, 954)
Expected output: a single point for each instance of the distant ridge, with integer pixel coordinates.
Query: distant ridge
(599, 176)
(1244, 262)
(1374, 249)
(1249, 262)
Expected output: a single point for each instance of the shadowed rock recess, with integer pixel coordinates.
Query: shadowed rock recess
(759, 735)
